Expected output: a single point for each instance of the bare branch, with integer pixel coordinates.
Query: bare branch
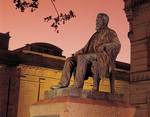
(55, 7)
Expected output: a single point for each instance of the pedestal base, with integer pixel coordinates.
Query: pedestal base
(80, 107)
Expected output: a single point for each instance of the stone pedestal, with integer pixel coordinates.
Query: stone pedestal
(80, 104)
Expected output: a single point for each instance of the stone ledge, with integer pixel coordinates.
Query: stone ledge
(64, 106)
(65, 99)
(73, 92)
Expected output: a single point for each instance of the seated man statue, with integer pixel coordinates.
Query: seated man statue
(103, 47)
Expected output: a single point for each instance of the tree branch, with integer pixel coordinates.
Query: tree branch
(55, 7)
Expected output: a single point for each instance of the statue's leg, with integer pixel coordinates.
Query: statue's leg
(96, 78)
(96, 82)
(82, 64)
(112, 83)
(69, 65)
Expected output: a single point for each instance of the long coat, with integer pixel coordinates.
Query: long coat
(106, 45)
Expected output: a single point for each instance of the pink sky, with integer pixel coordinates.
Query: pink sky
(30, 27)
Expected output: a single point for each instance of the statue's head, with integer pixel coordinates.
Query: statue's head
(101, 21)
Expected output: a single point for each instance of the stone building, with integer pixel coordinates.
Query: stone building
(9, 79)
(26, 73)
(138, 15)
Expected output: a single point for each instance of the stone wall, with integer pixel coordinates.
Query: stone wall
(9, 89)
(4, 82)
(140, 98)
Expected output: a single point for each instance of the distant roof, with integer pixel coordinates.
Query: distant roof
(42, 47)
(4, 35)
(46, 45)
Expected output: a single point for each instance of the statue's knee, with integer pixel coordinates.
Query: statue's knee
(69, 62)
(69, 59)
(81, 58)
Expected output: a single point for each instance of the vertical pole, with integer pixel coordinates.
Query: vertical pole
(148, 103)
(39, 88)
(38, 96)
(8, 96)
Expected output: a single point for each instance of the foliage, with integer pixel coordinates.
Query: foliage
(22, 5)
(60, 19)
(56, 21)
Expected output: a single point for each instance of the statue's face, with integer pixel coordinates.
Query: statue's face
(99, 22)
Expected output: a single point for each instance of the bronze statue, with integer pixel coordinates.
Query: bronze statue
(100, 52)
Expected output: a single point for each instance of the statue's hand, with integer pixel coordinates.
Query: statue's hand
(101, 48)
(108, 47)
(73, 55)
(77, 53)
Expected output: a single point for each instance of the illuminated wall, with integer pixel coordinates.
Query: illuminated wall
(34, 81)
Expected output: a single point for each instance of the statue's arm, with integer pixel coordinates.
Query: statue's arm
(81, 51)
(114, 44)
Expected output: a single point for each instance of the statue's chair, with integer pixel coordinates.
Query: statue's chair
(92, 71)
(96, 77)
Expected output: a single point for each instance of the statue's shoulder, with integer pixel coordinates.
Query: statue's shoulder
(111, 31)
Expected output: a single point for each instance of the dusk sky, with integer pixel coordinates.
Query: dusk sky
(30, 27)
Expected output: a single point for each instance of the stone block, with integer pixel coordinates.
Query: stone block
(80, 107)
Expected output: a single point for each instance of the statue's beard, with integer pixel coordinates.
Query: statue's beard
(100, 26)
(97, 27)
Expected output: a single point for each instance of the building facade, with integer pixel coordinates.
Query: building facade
(137, 12)
(26, 73)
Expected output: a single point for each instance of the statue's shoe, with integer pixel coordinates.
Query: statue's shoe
(58, 86)
(76, 87)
